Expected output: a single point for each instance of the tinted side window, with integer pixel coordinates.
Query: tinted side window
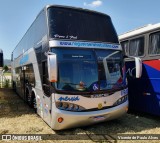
(41, 27)
(154, 44)
(29, 75)
(136, 47)
(33, 36)
(125, 47)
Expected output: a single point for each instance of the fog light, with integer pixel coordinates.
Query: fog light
(60, 119)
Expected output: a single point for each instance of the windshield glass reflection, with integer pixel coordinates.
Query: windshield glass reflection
(110, 69)
(89, 70)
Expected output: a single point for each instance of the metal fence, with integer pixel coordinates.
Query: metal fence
(5, 80)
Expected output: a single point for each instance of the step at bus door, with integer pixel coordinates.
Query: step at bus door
(47, 100)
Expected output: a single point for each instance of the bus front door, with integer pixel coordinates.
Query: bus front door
(47, 104)
(47, 98)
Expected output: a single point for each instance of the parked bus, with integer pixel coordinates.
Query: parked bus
(1, 58)
(69, 67)
(144, 93)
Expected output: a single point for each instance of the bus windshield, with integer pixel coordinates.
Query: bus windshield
(75, 24)
(77, 75)
(88, 70)
(110, 66)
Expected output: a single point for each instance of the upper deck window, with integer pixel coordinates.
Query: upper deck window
(136, 47)
(154, 44)
(125, 47)
(74, 24)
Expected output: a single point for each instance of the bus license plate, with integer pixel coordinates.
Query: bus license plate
(98, 118)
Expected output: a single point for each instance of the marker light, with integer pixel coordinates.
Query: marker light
(60, 119)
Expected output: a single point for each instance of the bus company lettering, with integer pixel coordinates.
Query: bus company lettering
(65, 43)
(65, 37)
(88, 44)
(69, 98)
(24, 59)
(131, 71)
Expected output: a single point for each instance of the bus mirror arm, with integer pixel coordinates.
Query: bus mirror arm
(138, 65)
(125, 56)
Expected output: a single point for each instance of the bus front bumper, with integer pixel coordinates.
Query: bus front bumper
(77, 119)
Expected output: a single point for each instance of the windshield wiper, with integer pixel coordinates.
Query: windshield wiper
(71, 83)
(80, 86)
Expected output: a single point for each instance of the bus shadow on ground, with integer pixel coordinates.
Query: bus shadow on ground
(129, 124)
(12, 105)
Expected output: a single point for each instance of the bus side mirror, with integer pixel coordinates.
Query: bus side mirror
(52, 67)
(138, 65)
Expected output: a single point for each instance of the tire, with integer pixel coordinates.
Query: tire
(27, 97)
(33, 102)
(14, 86)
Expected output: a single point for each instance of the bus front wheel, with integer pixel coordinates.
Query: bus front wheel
(33, 102)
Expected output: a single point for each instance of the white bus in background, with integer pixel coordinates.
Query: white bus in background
(69, 67)
(143, 42)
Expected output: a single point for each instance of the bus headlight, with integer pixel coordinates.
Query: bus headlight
(59, 104)
(65, 105)
(76, 107)
(69, 106)
(121, 100)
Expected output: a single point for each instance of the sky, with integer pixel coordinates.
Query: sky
(17, 15)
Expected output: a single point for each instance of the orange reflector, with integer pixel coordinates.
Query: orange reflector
(53, 80)
(126, 109)
(60, 119)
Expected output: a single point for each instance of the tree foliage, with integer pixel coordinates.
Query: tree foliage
(5, 68)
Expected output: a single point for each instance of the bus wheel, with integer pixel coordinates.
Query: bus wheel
(34, 103)
(27, 97)
(14, 86)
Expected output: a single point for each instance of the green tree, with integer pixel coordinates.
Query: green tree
(5, 68)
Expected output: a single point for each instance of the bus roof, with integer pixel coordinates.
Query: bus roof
(138, 31)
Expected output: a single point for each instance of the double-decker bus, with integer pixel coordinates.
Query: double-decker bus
(69, 67)
(144, 93)
(1, 58)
